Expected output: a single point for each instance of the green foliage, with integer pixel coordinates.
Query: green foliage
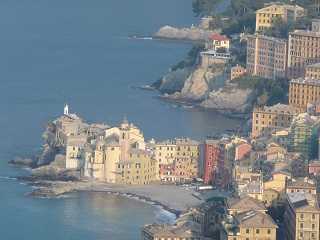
(279, 29)
(204, 7)
(268, 91)
(239, 52)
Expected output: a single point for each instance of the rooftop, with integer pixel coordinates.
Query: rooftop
(307, 81)
(307, 33)
(256, 219)
(245, 204)
(218, 37)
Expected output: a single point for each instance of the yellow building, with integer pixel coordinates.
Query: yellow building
(139, 169)
(301, 219)
(278, 181)
(303, 91)
(247, 220)
(266, 119)
(187, 148)
(250, 225)
(265, 16)
(313, 71)
(303, 50)
(269, 196)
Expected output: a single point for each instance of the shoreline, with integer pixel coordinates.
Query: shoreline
(170, 198)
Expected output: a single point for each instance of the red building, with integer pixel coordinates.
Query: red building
(213, 159)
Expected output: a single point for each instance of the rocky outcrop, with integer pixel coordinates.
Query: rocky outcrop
(201, 82)
(230, 98)
(173, 81)
(191, 34)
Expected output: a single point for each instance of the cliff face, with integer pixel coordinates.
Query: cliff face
(230, 99)
(201, 81)
(206, 87)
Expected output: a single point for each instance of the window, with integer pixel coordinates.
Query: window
(257, 231)
(247, 231)
(269, 231)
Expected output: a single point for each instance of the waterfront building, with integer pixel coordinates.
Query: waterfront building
(237, 71)
(217, 41)
(267, 119)
(301, 218)
(250, 225)
(266, 56)
(266, 16)
(186, 164)
(167, 173)
(303, 135)
(74, 151)
(165, 153)
(303, 50)
(303, 92)
(213, 154)
(139, 168)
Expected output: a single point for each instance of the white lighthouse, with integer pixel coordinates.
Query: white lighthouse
(66, 110)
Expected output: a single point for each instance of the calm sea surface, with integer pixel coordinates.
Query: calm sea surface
(77, 51)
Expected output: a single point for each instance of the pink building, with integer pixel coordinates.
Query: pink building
(242, 151)
(314, 168)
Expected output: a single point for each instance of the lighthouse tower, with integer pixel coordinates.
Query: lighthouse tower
(66, 110)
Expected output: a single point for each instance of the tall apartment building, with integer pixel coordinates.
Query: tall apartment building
(213, 153)
(266, 16)
(303, 50)
(266, 56)
(303, 91)
(301, 218)
(266, 119)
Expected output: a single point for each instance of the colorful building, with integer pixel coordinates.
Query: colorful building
(266, 56)
(303, 92)
(266, 16)
(213, 154)
(267, 119)
(303, 50)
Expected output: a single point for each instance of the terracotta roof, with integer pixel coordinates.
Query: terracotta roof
(218, 37)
